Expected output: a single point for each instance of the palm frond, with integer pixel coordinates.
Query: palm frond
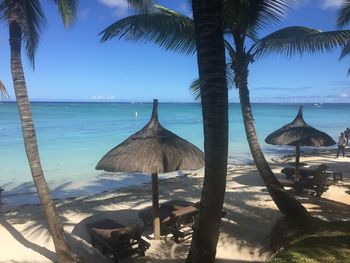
(195, 87)
(231, 51)
(144, 6)
(4, 8)
(251, 16)
(345, 51)
(32, 23)
(3, 91)
(299, 40)
(344, 14)
(164, 27)
(67, 10)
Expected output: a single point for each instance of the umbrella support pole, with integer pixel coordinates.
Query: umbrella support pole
(155, 205)
(297, 162)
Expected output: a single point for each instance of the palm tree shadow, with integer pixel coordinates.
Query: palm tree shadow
(326, 208)
(21, 239)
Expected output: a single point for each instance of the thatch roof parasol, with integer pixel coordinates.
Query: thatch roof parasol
(154, 150)
(299, 133)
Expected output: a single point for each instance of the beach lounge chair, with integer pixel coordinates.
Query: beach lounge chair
(305, 173)
(116, 240)
(314, 180)
(176, 217)
(180, 222)
(318, 184)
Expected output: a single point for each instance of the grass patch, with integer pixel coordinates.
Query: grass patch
(327, 242)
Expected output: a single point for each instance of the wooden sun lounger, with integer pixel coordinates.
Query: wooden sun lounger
(176, 216)
(318, 183)
(181, 221)
(116, 240)
(305, 173)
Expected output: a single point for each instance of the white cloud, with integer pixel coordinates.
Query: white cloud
(344, 95)
(120, 7)
(102, 98)
(84, 13)
(301, 3)
(331, 4)
(114, 3)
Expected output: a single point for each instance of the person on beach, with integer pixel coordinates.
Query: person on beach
(341, 144)
(347, 135)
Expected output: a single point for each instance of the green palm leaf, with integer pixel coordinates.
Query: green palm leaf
(343, 19)
(67, 10)
(141, 5)
(344, 14)
(30, 18)
(248, 17)
(195, 85)
(3, 91)
(32, 23)
(164, 27)
(299, 40)
(345, 51)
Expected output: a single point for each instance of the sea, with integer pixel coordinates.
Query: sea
(73, 137)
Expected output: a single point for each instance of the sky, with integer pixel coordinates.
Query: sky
(72, 64)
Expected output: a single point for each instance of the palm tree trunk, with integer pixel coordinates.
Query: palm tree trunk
(211, 63)
(63, 251)
(286, 203)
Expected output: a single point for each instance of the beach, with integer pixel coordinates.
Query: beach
(251, 214)
(247, 81)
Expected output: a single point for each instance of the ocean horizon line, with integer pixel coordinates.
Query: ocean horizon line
(167, 102)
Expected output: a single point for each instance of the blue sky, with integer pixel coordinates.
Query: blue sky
(71, 64)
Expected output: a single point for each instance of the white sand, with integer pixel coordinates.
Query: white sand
(244, 233)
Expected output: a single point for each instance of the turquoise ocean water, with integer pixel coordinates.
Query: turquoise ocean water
(74, 136)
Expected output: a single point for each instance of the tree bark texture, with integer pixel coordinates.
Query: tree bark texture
(286, 203)
(208, 25)
(63, 250)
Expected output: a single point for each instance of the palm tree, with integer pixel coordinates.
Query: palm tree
(242, 20)
(208, 26)
(25, 19)
(343, 20)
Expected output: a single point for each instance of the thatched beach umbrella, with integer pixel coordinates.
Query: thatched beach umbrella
(299, 133)
(154, 150)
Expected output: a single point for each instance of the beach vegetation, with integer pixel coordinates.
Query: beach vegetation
(208, 28)
(321, 242)
(25, 20)
(242, 21)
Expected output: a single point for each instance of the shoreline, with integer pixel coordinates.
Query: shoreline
(244, 231)
(25, 193)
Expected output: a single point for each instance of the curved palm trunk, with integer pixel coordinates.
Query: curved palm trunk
(212, 73)
(286, 203)
(63, 251)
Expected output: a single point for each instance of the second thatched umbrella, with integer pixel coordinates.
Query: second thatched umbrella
(299, 133)
(154, 150)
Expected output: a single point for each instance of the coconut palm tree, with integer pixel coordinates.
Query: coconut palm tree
(208, 27)
(242, 21)
(25, 20)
